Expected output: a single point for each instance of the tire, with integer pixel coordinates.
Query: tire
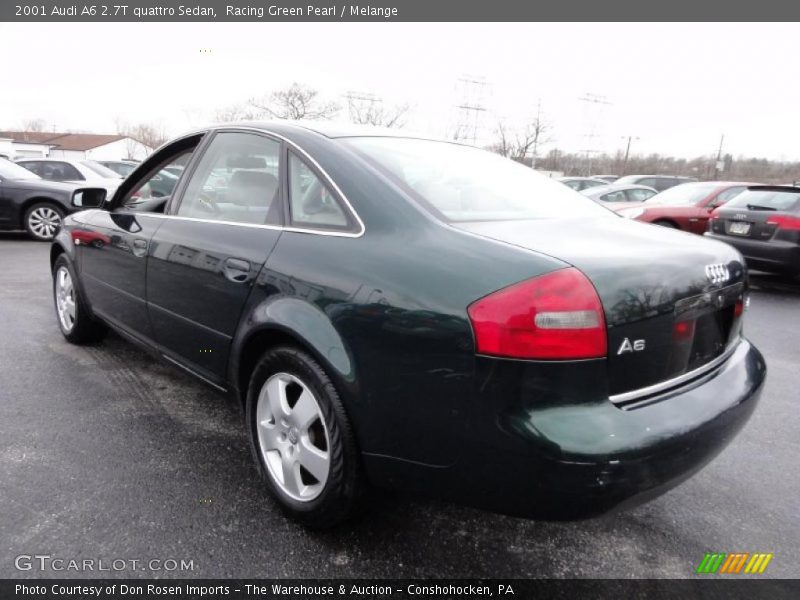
(42, 220)
(286, 386)
(667, 224)
(77, 325)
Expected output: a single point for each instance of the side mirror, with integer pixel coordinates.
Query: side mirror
(89, 198)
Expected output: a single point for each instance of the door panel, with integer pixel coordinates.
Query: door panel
(209, 250)
(112, 254)
(199, 277)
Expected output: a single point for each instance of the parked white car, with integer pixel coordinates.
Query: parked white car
(78, 171)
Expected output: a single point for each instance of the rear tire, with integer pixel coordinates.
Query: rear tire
(42, 221)
(301, 438)
(76, 323)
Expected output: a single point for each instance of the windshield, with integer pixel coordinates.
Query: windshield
(10, 170)
(686, 194)
(101, 170)
(461, 183)
(767, 200)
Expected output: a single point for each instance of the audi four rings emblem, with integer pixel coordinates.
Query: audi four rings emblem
(717, 273)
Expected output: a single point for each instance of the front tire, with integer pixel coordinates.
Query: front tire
(74, 320)
(301, 438)
(42, 221)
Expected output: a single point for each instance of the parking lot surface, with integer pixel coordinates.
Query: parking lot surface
(108, 454)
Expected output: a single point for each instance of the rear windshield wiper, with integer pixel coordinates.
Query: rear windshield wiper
(759, 207)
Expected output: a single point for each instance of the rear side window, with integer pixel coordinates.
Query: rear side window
(33, 166)
(60, 171)
(311, 202)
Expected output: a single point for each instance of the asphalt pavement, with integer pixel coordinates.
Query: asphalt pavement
(107, 454)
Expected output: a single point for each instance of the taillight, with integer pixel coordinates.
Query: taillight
(785, 222)
(739, 307)
(555, 316)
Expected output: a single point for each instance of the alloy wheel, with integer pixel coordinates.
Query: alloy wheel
(293, 437)
(65, 299)
(43, 221)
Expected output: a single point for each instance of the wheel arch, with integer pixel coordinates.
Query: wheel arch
(296, 322)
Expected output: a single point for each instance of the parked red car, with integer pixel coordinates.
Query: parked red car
(687, 206)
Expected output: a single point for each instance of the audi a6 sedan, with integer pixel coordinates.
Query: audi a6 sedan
(420, 315)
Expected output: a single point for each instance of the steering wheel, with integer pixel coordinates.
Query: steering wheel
(206, 202)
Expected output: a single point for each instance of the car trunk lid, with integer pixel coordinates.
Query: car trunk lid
(671, 300)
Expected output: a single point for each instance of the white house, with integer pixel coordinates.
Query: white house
(75, 146)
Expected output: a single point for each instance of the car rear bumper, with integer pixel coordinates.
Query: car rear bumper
(765, 255)
(544, 440)
(563, 458)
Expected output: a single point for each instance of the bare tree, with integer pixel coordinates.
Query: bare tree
(236, 112)
(147, 134)
(368, 109)
(519, 143)
(34, 125)
(295, 102)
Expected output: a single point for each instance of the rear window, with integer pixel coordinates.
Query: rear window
(687, 194)
(460, 183)
(787, 201)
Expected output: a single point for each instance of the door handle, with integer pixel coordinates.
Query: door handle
(236, 270)
(139, 247)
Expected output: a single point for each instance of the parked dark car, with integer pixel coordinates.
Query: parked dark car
(687, 206)
(420, 315)
(618, 195)
(29, 202)
(657, 182)
(581, 183)
(763, 223)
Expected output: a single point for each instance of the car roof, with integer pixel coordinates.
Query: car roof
(328, 129)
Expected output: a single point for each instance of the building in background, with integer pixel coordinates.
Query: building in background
(74, 146)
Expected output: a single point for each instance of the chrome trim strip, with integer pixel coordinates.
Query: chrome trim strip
(349, 234)
(676, 381)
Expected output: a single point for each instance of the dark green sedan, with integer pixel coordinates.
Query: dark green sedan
(419, 315)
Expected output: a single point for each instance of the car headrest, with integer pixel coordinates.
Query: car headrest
(252, 188)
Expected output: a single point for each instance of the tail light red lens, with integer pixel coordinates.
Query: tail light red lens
(785, 222)
(557, 316)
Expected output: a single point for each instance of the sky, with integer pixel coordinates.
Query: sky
(676, 88)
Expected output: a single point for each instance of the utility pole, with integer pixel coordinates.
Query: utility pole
(719, 156)
(627, 151)
(596, 103)
(538, 132)
(471, 108)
